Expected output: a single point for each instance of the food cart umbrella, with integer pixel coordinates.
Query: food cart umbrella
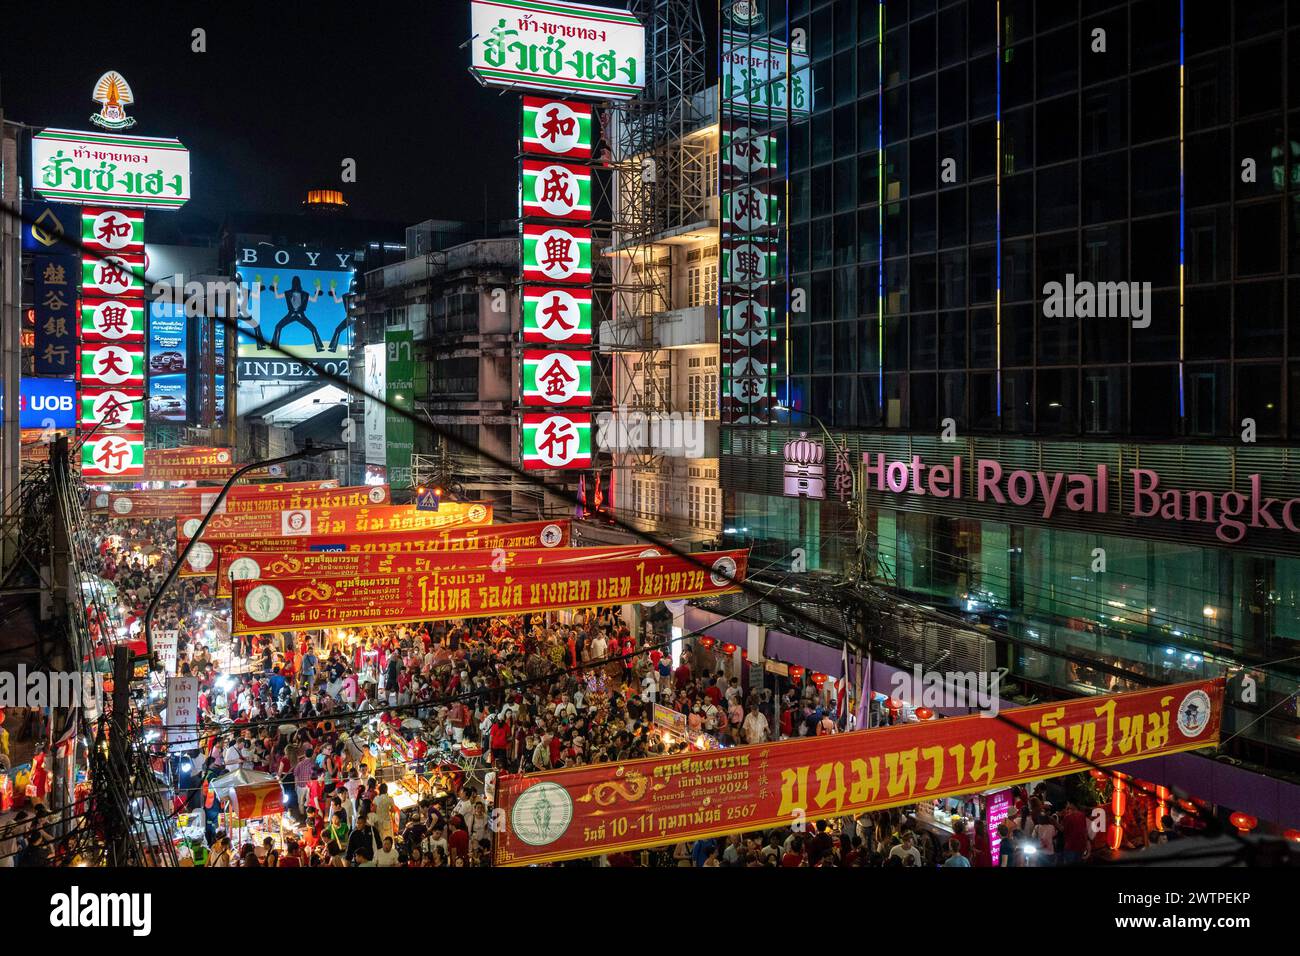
(226, 785)
(414, 723)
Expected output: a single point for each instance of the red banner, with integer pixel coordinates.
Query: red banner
(202, 560)
(170, 502)
(197, 463)
(304, 522)
(272, 566)
(257, 800)
(589, 811)
(294, 603)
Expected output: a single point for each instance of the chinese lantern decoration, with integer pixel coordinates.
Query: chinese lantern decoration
(819, 680)
(707, 642)
(1292, 835)
(893, 704)
(744, 654)
(796, 672)
(925, 713)
(728, 648)
(2, 716)
(1243, 821)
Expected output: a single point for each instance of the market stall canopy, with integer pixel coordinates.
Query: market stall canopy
(259, 800)
(226, 785)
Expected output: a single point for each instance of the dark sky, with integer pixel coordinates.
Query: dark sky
(285, 92)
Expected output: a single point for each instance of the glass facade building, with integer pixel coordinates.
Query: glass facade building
(1048, 235)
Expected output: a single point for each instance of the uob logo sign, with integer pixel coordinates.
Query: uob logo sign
(47, 403)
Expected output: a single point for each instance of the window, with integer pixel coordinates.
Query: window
(702, 284)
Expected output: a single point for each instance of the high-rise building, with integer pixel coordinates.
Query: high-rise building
(1033, 305)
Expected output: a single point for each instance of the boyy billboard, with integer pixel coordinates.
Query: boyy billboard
(295, 305)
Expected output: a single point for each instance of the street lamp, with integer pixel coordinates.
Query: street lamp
(309, 451)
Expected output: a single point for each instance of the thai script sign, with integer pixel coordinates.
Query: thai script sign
(560, 46)
(307, 521)
(593, 810)
(144, 171)
(261, 607)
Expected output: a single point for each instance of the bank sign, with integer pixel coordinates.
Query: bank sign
(1232, 514)
(560, 47)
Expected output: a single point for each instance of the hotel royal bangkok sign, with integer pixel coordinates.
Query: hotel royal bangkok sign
(1139, 493)
(105, 166)
(560, 47)
(606, 808)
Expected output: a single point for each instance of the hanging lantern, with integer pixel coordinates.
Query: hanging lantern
(706, 642)
(1243, 821)
(1292, 835)
(893, 704)
(925, 713)
(744, 654)
(796, 672)
(728, 648)
(819, 680)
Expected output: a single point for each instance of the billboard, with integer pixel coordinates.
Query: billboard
(399, 387)
(45, 224)
(113, 457)
(111, 409)
(295, 305)
(375, 414)
(148, 172)
(558, 46)
(168, 361)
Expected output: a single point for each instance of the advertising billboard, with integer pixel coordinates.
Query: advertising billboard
(296, 312)
(398, 392)
(375, 413)
(556, 128)
(168, 362)
(558, 46)
(556, 378)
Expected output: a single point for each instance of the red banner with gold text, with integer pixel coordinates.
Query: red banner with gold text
(604, 808)
(272, 566)
(293, 603)
(202, 559)
(304, 522)
(282, 496)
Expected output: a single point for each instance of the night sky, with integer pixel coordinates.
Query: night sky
(283, 94)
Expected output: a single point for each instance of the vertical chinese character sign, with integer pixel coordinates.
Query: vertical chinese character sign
(55, 287)
(111, 363)
(555, 197)
(766, 86)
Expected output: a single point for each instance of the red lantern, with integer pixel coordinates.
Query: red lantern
(1292, 835)
(893, 704)
(707, 642)
(1243, 821)
(728, 648)
(744, 654)
(925, 713)
(819, 680)
(796, 672)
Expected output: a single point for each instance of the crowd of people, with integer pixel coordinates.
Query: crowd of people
(334, 717)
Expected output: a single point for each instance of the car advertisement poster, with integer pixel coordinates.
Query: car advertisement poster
(168, 362)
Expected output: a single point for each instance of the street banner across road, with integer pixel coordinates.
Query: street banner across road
(197, 463)
(593, 810)
(263, 607)
(202, 559)
(170, 502)
(277, 565)
(301, 522)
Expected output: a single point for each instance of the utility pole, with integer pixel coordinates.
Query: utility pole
(118, 802)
